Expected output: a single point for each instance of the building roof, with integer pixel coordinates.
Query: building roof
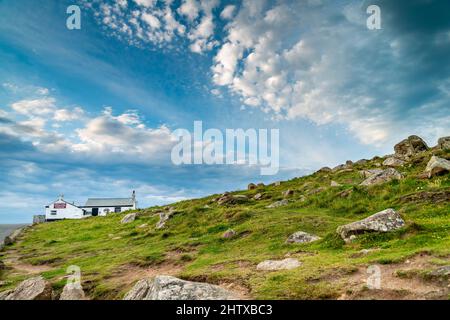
(109, 202)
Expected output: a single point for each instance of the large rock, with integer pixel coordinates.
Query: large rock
(229, 199)
(171, 288)
(393, 162)
(139, 291)
(437, 166)
(369, 173)
(382, 177)
(384, 221)
(302, 237)
(274, 265)
(129, 218)
(164, 216)
(32, 289)
(278, 204)
(72, 291)
(10, 239)
(410, 146)
(444, 143)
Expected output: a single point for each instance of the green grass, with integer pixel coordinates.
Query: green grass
(192, 239)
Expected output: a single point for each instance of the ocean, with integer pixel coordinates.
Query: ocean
(7, 229)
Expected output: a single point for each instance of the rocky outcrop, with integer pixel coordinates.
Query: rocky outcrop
(229, 234)
(410, 146)
(444, 143)
(9, 240)
(164, 216)
(72, 291)
(128, 218)
(258, 196)
(382, 177)
(393, 162)
(324, 170)
(437, 166)
(288, 193)
(171, 288)
(32, 289)
(302, 237)
(229, 199)
(139, 291)
(384, 221)
(278, 204)
(274, 265)
(370, 172)
(427, 196)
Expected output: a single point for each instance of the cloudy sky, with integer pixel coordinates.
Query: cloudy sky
(91, 112)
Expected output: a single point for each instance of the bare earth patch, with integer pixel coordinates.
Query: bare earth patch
(394, 286)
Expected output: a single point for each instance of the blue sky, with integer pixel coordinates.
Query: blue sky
(90, 112)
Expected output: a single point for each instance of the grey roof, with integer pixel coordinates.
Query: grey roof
(109, 202)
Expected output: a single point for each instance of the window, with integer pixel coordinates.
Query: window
(117, 209)
(53, 212)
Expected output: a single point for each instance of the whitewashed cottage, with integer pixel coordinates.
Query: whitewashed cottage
(61, 209)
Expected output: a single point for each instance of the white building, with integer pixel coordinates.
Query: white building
(61, 209)
(103, 206)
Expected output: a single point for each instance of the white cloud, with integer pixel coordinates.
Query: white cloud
(189, 9)
(63, 115)
(228, 12)
(35, 107)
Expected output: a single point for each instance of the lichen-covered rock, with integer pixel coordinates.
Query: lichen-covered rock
(274, 265)
(437, 166)
(164, 216)
(258, 196)
(229, 199)
(171, 288)
(302, 237)
(32, 289)
(384, 221)
(370, 172)
(72, 291)
(382, 177)
(444, 143)
(393, 162)
(278, 204)
(410, 146)
(139, 291)
(128, 218)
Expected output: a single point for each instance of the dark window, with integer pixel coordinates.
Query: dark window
(117, 209)
(53, 212)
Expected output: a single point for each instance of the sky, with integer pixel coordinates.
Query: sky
(92, 112)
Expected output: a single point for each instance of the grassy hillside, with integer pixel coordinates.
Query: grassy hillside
(112, 256)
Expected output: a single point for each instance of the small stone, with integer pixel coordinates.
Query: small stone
(229, 234)
(278, 204)
(257, 196)
(128, 218)
(302, 237)
(142, 226)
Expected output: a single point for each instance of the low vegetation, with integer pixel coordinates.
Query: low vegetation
(112, 256)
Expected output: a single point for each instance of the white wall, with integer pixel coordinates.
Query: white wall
(105, 211)
(70, 212)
